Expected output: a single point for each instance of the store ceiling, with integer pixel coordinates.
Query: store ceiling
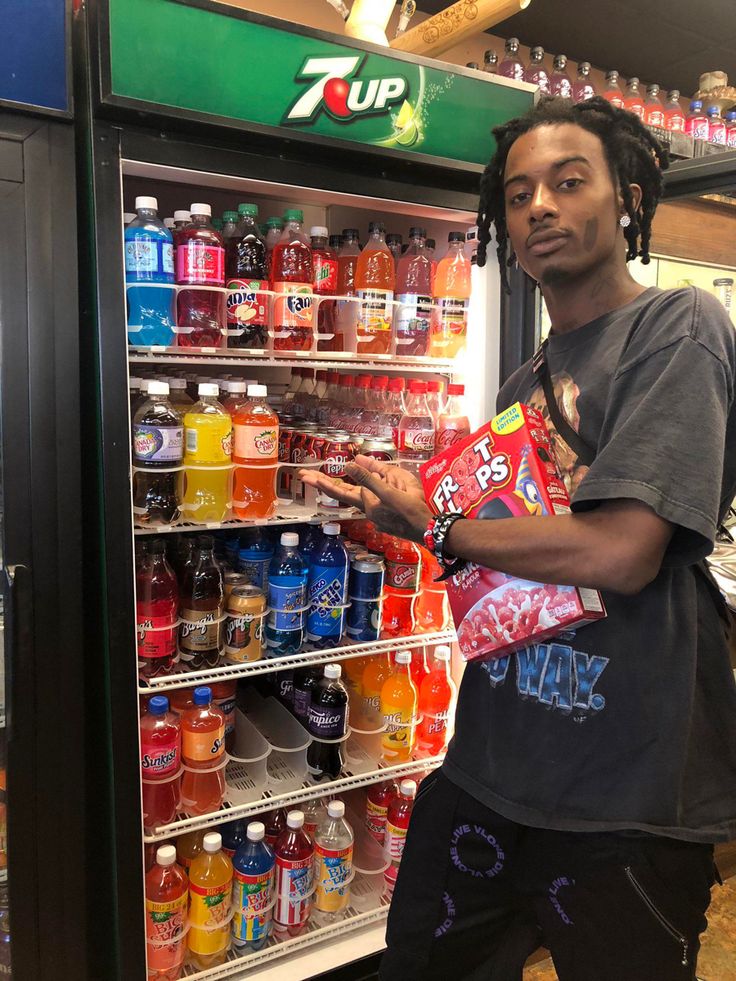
(666, 41)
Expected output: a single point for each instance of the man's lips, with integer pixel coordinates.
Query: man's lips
(546, 241)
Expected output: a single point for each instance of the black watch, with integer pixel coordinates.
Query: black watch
(440, 531)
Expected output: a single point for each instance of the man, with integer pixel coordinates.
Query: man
(588, 777)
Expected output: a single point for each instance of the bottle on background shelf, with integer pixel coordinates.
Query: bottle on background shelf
(325, 285)
(335, 242)
(511, 66)
(157, 610)
(560, 83)
(149, 259)
(716, 126)
(202, 605)
(255, 453)
(583, 87)
(200, 261)
(287, 598)
(397, 825)
(275, 822)
(274, 228)
(377, 801)
(451, 300)
(294, 852)
(372, 420)
(167, 898)
(697, 124)
(435, 400)
(188, 846)
(254, 556)
(633, 100)
(327, 589)
(431, 247)
(490, 62)
(254, 879)
(394, 410)
(375, 282)
(653, 108)
(431, 611)
(452, 423)
(223, 698)
(315, 811)
(416, 428)
(311, 538)
(233, 836)
(377, 671)
(731, 129)
(236, 396)
(399, 698)
(333, 862)
(347, 260)
(327, 720)
(394, 242)
(246, 268)
(158, 449)
(228, 231)
(178, 394)
(292, 278)
(203, 751)
(418, 667)
(674, 117)
(181, 220)
(437, 694)
(414, 294)
(613, 92)
(535, 71)
(160, 763)
(207, 458)
(210, 903)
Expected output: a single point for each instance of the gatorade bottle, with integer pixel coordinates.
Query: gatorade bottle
(333, 862)
(327, 590)
(403, 572)
(377, 671)
(397, 825)
(294, 877)
(436, 696)
(166, 914)
(210, 899)
(160, 763)
(157, 611)
(399, 710)
(292, 278)
(377, 802)
(200, 261)
(375, 280)
(158, 448)
(253, 890)
(246, 263)
(287, 598)
(149, 258)
(203, 748)
(207, 458)
(414, 294)
(451, 298)
(255, 454)
(325, 285)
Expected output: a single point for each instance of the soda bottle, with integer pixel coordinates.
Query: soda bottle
(613, 91)
(223, 698)
(731, 129)
(560, 83)
(181, 220)
(167, 897)
(149, 258)
(653, 108)
(335, 243)
(674, 117)
(233, 836)
(305, 682)
(158, 448)
(414, 294)
(200, 261)
(207, 458)
(160, 763)
(583, 87)
(632, 98)
(246, 262)
(371, 420)
(236, 396)
(135, 395)
(324, 258)
(397, 825)
(418, 669)
(431, 611)
(416, 429)
(157, 610)
(327, 589)
(696, 124)
(315, 811)
(535, 71)
(436, 697)
(292, 277)
(229, 231)
(403, 572)
(327, 720)
(511, 66)
(490, 62)
(178, 394)
(203, 748)
(254, 879)
(274, 228)
(210, 902)
(377, 801)
(716, 126)
(451, 300)
(377, 671)
(375, 280)
(188, 846)
(218, 224)
(294, 877)
(435, 400)
(255, 453)
(347, 260)
(393, 410)
(431, 247)
(394, 242)
(202, 605)
(399, 711)
(333, 862)
(287, 598)
(453, 424)
(275, 822)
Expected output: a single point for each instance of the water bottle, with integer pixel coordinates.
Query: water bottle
(287, 598)
(253, 886)
(149, 258)
(327, 590)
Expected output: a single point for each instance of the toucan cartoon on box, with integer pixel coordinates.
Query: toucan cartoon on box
(524, 500)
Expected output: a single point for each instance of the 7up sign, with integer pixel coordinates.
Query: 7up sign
(337, 91)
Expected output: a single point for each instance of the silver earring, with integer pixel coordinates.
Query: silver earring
(624, 221)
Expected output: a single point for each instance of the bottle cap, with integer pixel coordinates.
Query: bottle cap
(128, 216)
(393, 239)
(175, 382)
(442, 653)
(512, 44)
(237, 387)
(653, 89)
(347, 380)
(417, 387)
(560, 61)
(472, 64)
(293, 214)
(434, 386)
(230, 216)
(290, 539)
(331, 528)
(335, 809)
(379, 382)
(633, 81)
(396, 385)
(165, 855)
(673, 95)
(157, 388)
(158, 705)
(430, 243)
(333, 671)
(307, 372)
(456, 237)
(612, 75)
(713, 111)
(202, 695)
(273, 222)
(416, 232)
(537, 52)
(376, 226)
(350, 233)
(150, 204)
(200, 209)
(403, 657)
(731, 114)
(182, 216)
(584, 67)
(455, 389)
(252, 209)
(257, 391)
(333, 377)
(295, 819)
(212, 842)
(208, 389)
(407, 788)
(169, 222)
(321, 375)
(335, 241)
(255, 831)
(318, 231)
(696, 104)
(490, 57)
(364, 381)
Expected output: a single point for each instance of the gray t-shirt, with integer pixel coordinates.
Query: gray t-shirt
(629, 723)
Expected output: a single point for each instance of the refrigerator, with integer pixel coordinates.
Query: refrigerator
(201, 102)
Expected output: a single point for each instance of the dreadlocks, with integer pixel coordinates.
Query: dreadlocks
(634, 156)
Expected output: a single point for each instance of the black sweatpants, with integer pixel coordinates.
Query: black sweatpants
(476, 894)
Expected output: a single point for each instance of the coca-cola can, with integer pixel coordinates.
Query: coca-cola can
(379, 447)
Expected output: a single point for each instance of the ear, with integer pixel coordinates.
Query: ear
(636, 195)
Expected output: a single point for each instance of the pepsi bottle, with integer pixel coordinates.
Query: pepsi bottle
(327, 724)
(327, 590)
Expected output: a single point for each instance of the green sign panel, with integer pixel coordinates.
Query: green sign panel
(202, 60)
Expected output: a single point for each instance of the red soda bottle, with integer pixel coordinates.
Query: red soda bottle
(613, 91)
(674, 117)
(200, 261)
(275, 822)
(452, 423)
(294, 853)
(414, 294)
(653, 108)
(436, 695)
(160, 763)
(377, 802)
(397, 824)
(418, 669)
(324, 259)
(431, 611)
(157, 605)
(403, 571)
(292, 274)
(633, 100)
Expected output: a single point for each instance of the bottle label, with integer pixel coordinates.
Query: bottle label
(446, 437)
(655, 117)
(302, 701)
(240, 633)
(371, 704)
(207, 443)
(160, 759)
(395, 841)
(398, 739)
(403, 575)
(585, 92)
(154, 444)
(333, 869)
(294, 881)
(282, 600)
(209, 906)
(256, 442)
(418, 441)
(153, 643)
(165, 921)
(562, 87)
(375, 820)
(325, 274)
(376, 311)
(327, 592)
(247, 303)
(256, 570)
(413, 316)
(698, 129)
(200, 263)
(148, 257)
(452, 316)
(252, 896)
(293, 309)
(200, 631)
(435, 725)
(327, 721)
(203, 746)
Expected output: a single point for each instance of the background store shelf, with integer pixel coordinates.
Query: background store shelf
(288, 512)
(230, 358)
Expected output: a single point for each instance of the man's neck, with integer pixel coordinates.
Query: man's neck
(573, 303)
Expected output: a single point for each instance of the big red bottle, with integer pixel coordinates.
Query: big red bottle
(157, 605)
(397, 825)
(203, 748)
(653, 108)
(403, 571)
(166, 916)
(674, 117)
(294, 852)
(633, 100)
(200, 261)
(436, 697)
(325, 285)
(292, 279)
(375, 281)
(377, 801)
(255, 453)
(160, 763)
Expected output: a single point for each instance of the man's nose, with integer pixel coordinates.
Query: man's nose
(542, 205)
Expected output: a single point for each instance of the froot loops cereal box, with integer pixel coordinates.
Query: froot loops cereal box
(506, 469)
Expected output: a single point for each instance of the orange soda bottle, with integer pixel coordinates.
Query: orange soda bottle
(166, 914)
(451, 295)
(210, 889)
(255, 453)
(431, 612)
(418, 669)
(375, 281)
(399, 701)
(377, 671)
(436, 696)
(202, 750)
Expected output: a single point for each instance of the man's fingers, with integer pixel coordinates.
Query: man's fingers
(372, 464)
(345, 493)
(374, 483)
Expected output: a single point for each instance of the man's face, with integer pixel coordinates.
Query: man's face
(562, 208)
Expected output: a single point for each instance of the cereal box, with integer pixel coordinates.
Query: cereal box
(506, 469)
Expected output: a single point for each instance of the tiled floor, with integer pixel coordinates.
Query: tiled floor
(717, 961)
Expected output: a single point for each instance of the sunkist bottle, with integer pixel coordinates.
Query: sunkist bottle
(403, 573)
(167, 898)
(511, 66)
(333, 862)
(210, 898)
(375, 281)
(535, 71)
(696, 124)
(613, 93)
(158, 448)
(202, 748)
(324, 260)
(452, 423)
(294, 852)
(327, 588)
(157, 607)
(416, 428)
(436, 696)
(202, 606)
(292, 276)
(560, 83)
(399, 700)
(451, 300)
(200, 261)
(253, 890)
(327, 722)
(160, 763)
(247, 279)
(207, 458)
(287, 598)
(149, 258)
(653, 108)
(397, 825)
(583, 87)
(377, 801)
(255, 454)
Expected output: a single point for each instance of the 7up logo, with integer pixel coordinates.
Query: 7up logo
(342, 96)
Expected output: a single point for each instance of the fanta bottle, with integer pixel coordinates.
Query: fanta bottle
(253, 889)
(436, 696)
(451, 298)
(200, 262)
(160, 763)
(414, 295)
(166, 915)
(292, 278)
(397, 825)
(203, 749)
(210, 899)
(294, 877)
(377, 671)
(375, 281)
(399, 700)
(255, 454)
(247, 282)
(207, 458)
(403, 572)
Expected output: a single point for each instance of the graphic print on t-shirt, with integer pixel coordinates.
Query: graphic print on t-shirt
(566, 394)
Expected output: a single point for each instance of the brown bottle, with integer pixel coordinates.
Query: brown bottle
(202, 603)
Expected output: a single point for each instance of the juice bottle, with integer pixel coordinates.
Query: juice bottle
(377, 802)
(583, 87)
(653, 108)
(203, 748)
(200, 261)
(294, 877)
(255, 453)
(377, 671)
(202, 605)
(397, 825)
(210, 899)
(324, 258)
(149, 259)
(158, 448)
(414, 294)
(436, 696)
(333, 862)
(632, 98)
(375, 280)
(511, 66)
(292, 277)
(535, 71)
(253, 889)
(166, 913)
(451, 299)
(399, 711)
(207, 458)
(431, 611)
(674, 117)
(560, 83)
(246, 264)
(188, 846)
(452, 424)
(613, 91)
(157, 607)
(160, 763)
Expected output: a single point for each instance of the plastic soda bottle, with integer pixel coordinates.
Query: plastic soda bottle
(560, 83)
(333, 861)
(292, 278)
(452, 424)
(178, 393)
(327, 722)
(347, 260)
(451, 299)
(287, 598)
(149, 258)
(327, 589)
(416, 428)
(535, 71)
(158, 448)
(166, 913)
(253, 889)
(378, 798)
(436, 696)
(188, 846)
(418, 669)
(674, 117)
(731, 129)
(324, 258)
(160, 763)
(233, 836)
(200, 261)
(254, 556)
(511, 66)
(157, 608)
(431, 612)
(203, 749)
(246, 272)
(653, 108)
(716, 126)
(375, 280)
(315, 811)
(613, 91)
(403, 573)
(294, 877)
(414, 294)
(255, 454)
(275, 822)
(394, 242)
(210, 898)
(274, 228)
(633, 100)
(377, 670)
(583, 87)
(202, 605)
(397, 825)
(696, 124)
(399, 699)
(207, 458)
